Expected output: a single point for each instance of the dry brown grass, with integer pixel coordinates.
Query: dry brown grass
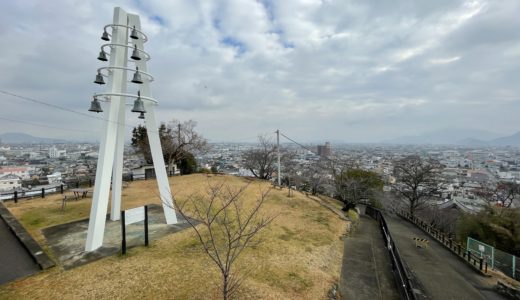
(300, 257)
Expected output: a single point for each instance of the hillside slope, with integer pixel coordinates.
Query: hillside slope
(300, 257)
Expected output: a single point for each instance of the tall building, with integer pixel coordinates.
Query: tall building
(53, 152)
(324, 150)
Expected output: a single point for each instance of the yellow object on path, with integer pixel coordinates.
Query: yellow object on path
(420, 243)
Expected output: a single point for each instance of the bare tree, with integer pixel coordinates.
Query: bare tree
(354, 185)
(262, 161)
(226, 228)
(289, 168)
(444, 219)
(416, 180)
(178, 140)
(314, 178)
(501, 194)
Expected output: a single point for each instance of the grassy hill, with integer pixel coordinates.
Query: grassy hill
(300, 257)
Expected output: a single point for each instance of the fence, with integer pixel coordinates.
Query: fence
(83, 182)
(472, 257)
(403, 280)
(39, 192)
(498, 259)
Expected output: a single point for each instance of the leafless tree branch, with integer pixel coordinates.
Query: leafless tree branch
(226, 228)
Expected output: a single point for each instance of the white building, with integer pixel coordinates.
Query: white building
(55, 153)
(10, 182)
(54, 178)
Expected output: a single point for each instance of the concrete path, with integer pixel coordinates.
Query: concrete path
(442, 274)
(67, 241)
(15, 261)
(366, 269)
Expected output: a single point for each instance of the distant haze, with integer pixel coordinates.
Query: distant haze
(428, 139)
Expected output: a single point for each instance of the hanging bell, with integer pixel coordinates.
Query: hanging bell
(95, 106)
(141, 116)
(135, 54)
(105, 36)
(102, 56)
(134, 35)
(138, 104)
(99, 78)
(137, 76)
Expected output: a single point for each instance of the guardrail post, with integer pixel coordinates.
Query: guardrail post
(15, 196)
(451, 243)
(469, 256)
(458, 249)
(481, 263)
(43, 192)
(61, 188)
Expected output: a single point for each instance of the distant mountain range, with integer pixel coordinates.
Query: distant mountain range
(461, 137)
(22, 138)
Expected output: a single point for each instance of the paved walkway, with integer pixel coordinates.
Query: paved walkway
(67, 241)
(15, 261)
(442, 274)
(366, 269)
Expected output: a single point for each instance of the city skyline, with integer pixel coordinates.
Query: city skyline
(317, 70)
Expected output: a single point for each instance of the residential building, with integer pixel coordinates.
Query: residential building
(10, 182)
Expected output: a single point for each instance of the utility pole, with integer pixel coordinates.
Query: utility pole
(278, 152)
(178, 155)
(179, 134)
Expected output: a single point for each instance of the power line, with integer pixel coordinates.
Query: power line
(50, 105)
(54, 106)
(297, 143)
(323, 157)
(43, 125)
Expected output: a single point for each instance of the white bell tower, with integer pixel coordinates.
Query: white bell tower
(126, 35)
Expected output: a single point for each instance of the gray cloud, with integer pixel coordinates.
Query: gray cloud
(340, 70)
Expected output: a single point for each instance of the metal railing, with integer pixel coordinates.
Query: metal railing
(33, 193)
(402, 277)
(87, 181)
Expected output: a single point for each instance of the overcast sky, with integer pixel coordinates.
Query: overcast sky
(358, 71)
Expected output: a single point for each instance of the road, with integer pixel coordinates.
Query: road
(366, 268)
(442, 274)
(15, 262)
